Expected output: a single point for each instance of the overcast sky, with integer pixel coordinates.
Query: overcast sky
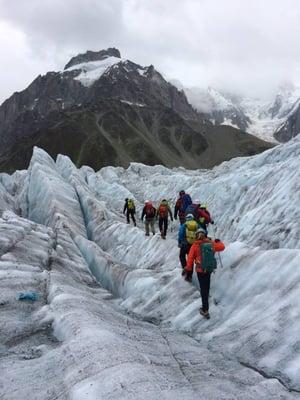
(248, 46)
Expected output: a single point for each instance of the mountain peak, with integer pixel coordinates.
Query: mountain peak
(93, 56)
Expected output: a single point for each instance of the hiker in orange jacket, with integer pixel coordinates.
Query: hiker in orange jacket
(194, 256)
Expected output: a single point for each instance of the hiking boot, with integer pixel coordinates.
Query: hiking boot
(153, 233)
(183, 272)
(134, 224)
(146, 234)
(205, 313)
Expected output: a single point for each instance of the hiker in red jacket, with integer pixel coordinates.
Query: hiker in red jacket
(149, 212)
(163, 213)
(202, 254)
(204, 217)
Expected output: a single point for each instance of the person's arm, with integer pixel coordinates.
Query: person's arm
(176, 209)
(181, 234)
(156, 213)
(191, 258)
(143, 213)
(204, 215)
(125, 207)
(218, 245)
(170, 213)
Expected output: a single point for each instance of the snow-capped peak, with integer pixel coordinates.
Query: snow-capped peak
(220, 101)
(91, 71)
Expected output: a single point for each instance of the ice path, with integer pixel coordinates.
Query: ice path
(74, 343)
(103, 353)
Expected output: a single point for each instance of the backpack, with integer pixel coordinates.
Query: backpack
(208, 260)
(130, 204)
(149, 211)
(186, 201)
(163, 211)
(192, 209)
(190, 231)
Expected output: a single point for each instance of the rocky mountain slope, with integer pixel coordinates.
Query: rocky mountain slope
(105, 110)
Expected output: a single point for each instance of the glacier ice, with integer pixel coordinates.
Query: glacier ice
(114, 318)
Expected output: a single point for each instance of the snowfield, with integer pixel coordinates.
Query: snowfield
(114, 319)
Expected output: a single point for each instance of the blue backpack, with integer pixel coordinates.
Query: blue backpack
(186, 201)
(192, 209)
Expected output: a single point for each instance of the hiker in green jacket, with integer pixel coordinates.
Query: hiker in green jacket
(129, 208)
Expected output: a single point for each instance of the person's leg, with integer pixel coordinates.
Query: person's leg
(133, 218)
(127, 216)
(152, 222)
(184, 250)
(147, 227)
(160, 225)
(165, 226)
(204, 282)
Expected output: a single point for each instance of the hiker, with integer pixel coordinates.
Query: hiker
(194, 209)
(163, 213)
(182, 203)
(149, 212)
(186, 237)
(202, 254)
(200, 213)
(129, 208)
(204, 217)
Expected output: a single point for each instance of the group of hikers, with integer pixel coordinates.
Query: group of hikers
(195, 246)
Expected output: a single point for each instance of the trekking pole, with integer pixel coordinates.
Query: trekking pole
(219, 255)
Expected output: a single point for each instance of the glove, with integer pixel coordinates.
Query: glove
(188, 276)
(212, 222)
(172, 219)
(175, 217)
(217, 240)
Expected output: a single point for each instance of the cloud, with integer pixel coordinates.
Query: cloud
(249, 47)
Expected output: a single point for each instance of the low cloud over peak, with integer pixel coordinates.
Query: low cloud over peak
(245, 47)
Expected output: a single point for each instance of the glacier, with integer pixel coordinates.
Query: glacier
(114, 318)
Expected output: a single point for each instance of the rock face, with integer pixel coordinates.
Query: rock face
(93, 56)
(291, 127)
(220, 108)
(104, 110)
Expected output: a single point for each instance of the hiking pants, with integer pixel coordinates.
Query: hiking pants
(130, 213)
(184, 251)
(204, 282)
(150, 223)
(163, 225)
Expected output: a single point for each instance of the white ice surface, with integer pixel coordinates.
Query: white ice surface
(137, 332)
(91, 71)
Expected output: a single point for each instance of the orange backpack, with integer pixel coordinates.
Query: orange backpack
(163, 211)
